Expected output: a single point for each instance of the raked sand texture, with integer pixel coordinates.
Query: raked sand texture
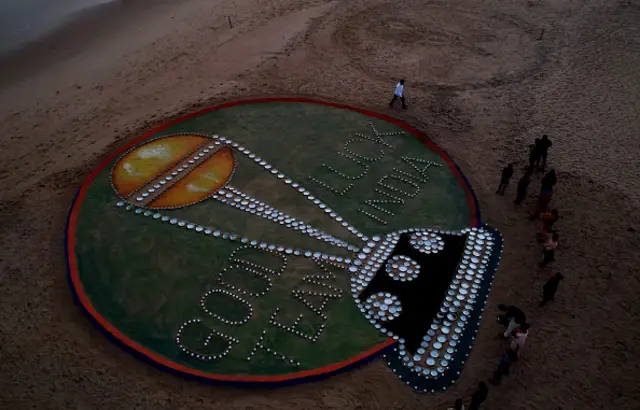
(484, 78)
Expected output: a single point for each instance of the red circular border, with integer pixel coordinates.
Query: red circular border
(114, 332)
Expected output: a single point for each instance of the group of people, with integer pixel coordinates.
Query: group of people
(512, 318)
(516, 331)
(538, 152)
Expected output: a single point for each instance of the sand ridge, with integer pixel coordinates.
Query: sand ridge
(483, 79)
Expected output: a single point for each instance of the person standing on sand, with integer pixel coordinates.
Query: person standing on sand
(549, 180)
(542, 149)
(399, 93)
(549, 250)
(533, 155)
(512, 318)
(549, 289)
(543, 202)
(508, 357)
(523, 184)
(546, 192)
(457, 405)
(479, 396)
(519, 339)
(549, 218)
(507, 173)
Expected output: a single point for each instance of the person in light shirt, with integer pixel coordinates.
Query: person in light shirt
(399, 93)
(549, 250)
(519, 339)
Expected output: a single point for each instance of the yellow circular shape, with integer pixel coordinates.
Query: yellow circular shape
(142, 164)
(147, 165)
(200, 183)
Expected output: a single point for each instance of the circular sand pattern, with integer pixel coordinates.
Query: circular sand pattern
(217, 245)
(456, 46)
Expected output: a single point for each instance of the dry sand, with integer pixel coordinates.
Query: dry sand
(483, 80)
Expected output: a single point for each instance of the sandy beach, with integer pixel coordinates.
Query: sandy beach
(484, 78)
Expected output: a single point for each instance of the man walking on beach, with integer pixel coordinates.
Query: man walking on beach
(399, 93)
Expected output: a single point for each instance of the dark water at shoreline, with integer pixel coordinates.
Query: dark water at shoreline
(23, 21)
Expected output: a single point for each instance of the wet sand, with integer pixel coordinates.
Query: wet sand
(483, 80)
(23, 21)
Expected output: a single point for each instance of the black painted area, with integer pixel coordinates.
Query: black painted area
(421, 298)
(421, 383)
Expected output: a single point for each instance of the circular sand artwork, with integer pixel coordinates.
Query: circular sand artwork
(461, 46)
(281, 240)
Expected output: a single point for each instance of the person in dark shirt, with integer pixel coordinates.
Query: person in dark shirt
(479, 396)
(546, 193)
(523, 184)
(507, 359)
(507, 173)
(542, 146)
(511, 312)
(549, 289)
(512, 318)
(549, 180)
(533, 154)
(457, 405)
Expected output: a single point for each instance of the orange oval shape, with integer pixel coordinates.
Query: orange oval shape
(144, 163)
(200, 183)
